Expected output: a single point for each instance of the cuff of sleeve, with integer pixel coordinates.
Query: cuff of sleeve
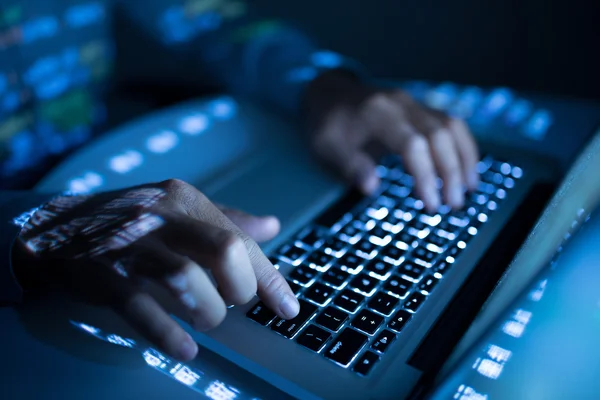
(19, 206)
(297, 79)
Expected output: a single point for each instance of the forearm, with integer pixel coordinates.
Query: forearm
(236, 50)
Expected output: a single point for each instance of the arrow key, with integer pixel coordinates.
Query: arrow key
(365, 363)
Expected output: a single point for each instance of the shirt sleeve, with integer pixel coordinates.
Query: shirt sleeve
(239, 51)
(15, 208)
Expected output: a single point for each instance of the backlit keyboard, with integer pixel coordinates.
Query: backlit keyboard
(365, 267)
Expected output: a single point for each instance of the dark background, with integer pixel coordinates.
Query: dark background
(541, 45)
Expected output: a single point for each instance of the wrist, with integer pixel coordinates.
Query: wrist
(330, 90)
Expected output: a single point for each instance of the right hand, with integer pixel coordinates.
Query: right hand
(110, 248)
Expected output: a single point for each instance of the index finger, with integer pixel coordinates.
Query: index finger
(272, 287)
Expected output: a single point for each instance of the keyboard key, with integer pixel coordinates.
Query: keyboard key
(379, 267)
(377, 213)
(319, 293)
(383, 303)
(406, 238)
(343, 206)
(428, 283)
(332, 318)
(314, 338)
(294, 286)
(293, 253)
(398, 286)
(425, 255)
(367, 321)
(365, 363)
(453, 251)
(384, 339)
(303, 274)
(288, 328)
(398, 192)
(350, 263)
(311, 237)
(334, 246)
(364, 283)
(380, 234)
(414, 301)
(418, 225)
(442, 267)
(350, 233)
(411, 270)
(413, 203)
(343, 349)
(399, 320)
(261, 314)
(439, 241)
(318, 260)
(349, 300)
(335, 277)
(394, 253)
(366, 249)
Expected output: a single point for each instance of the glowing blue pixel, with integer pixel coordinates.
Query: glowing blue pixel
(518, 112)
(441, 97)
(223, 108)
(39, 28)
(327, 59)
(11, 101)
(162, 142)
(302, 74)
(82, 15)
(194, 124)
(125, 162)
(538, 125)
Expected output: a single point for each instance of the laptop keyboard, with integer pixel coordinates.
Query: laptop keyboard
(365, 267)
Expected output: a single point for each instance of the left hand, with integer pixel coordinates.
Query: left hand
(347, 115)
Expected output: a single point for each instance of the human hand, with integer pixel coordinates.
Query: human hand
(113, 248)
(346, 116)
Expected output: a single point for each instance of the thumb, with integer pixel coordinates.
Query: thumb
(260, 229)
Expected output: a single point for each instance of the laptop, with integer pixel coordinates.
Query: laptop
(543, 344)
(379, 280)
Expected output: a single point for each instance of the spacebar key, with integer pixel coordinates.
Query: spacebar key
(290, 327)
(346, 346)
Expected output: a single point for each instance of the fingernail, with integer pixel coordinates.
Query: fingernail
(188, 348)
(188, 300)
(432, 198)
(177, 282)
(473, 179)
(289, 306)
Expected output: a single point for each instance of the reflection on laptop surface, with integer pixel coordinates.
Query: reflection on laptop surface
(544, 345)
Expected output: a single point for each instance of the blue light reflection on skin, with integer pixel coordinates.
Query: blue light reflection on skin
(196, 380)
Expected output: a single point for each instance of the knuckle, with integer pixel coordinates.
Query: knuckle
(456, 124)
(272, 282)
(402, 97)
(416, 143)
(173, 185)
(440, 135)
(379, 101)
(228, 245)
